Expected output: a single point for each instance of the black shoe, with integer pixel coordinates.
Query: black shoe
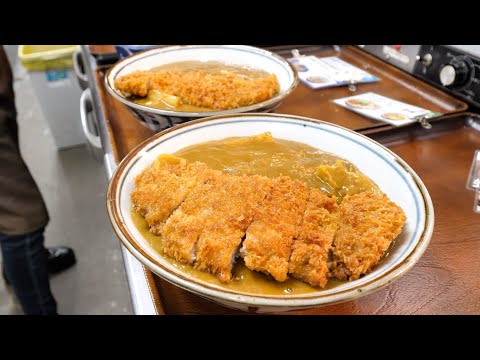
(59, 258)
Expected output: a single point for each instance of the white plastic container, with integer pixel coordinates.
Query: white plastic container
(53, 80)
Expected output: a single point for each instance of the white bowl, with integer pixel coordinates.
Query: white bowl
(392, 174)
(239, 55)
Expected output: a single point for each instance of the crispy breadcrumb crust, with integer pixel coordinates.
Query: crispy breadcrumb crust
(308, 261)
(268, 244)
(161, 188)
(216, 91)
(235, 200)
(369, 222)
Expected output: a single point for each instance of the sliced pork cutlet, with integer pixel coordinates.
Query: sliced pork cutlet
(269, 239)
(308, 261)
(162, 187)
(184, 226)
(368, 224)
(234, 200)
(136, 83)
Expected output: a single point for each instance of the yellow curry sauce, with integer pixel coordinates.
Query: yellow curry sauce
(264, 155)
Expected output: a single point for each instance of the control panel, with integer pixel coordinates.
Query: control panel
(451, 68)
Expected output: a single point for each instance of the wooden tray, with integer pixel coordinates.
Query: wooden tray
(447, 273)
(394, 83)
(304, 101)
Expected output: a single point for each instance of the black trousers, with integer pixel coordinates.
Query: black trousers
(25, 263)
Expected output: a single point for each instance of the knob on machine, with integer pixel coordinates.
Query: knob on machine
(457, 73)
(427, 59)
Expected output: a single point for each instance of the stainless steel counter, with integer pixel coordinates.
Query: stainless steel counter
(137, 282)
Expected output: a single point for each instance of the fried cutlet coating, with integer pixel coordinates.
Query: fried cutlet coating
(368, 224)
(217, 249)
(217, 91)
(235, 200)
(136, 83)
(308, 261)
(162, 187)
(185, 225)
(216, 215)
(152, 196)
(268, 244)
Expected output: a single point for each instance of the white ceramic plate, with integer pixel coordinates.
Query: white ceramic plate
(392, 174)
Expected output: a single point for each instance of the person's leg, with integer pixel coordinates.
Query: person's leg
(25, 261)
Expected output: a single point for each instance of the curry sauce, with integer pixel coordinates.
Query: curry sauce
(264, 155)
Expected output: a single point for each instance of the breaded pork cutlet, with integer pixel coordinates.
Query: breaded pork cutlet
(136, 83)
(269, 239)
(235, 200)
(184, 226)
(162, 187)
(209, 225)
(203, 215)
(308, 261)
(214, 90)
(369, 222)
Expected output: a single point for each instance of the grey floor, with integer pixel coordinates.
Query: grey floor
(74, 187)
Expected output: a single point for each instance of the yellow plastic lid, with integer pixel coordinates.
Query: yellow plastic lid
(46, 57)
